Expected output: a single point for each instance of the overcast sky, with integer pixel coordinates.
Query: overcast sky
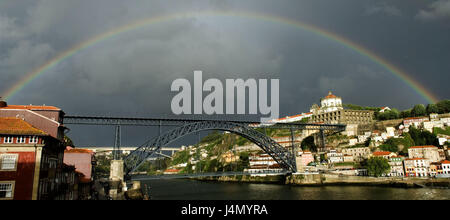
(130, 74)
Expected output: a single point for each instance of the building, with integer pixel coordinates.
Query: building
(435, 169)
(263, 163)
(70, 180)
(384, 154)
(397, 169)
(332, 112)
(384, 109)
(415, 121)
(304, 158)
(230, 157)
(446, 168)
(430, 153)
(416, 167)
(31, 152)
(329, 103)
(358, 153)
(294, 118)
(335, 157)
(348, 158)
(172, 171)
(83, 160)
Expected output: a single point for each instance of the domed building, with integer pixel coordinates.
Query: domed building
(331, 111)
(329, 103)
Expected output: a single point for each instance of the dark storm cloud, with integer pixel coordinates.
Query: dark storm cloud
(130, 74)
(438, 10)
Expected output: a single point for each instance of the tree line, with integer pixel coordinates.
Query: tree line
(441, 107)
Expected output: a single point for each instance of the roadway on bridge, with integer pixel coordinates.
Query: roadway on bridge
(195, 175)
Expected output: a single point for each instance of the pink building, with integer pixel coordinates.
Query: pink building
(306, 157)
(82, 159)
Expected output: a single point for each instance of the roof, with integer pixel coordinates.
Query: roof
(412, 118)
(32, 107)
(78, 150)
(17, 126)
(172, 170)
(382, 153)
(330, 96)
(445, 162)
(415, 159)
(418, 147)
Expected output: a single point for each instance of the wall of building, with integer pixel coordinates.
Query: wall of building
(23, 175)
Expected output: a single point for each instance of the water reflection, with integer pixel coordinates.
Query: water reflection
(190, 189)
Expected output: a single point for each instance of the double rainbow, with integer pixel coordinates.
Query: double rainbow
(29, 77)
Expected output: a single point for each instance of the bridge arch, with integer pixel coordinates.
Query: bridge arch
(281, 155)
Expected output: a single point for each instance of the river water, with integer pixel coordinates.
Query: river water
(178, 189)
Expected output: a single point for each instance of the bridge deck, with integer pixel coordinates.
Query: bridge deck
(188, 176)
(125, 121)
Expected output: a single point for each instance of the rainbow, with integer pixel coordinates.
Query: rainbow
(29, 77)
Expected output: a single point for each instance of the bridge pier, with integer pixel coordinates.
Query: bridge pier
(116, 180)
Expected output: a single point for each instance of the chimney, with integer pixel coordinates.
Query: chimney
(3, 103)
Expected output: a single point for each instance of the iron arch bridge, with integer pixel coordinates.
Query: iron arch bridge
(281, 155)
(185, 127)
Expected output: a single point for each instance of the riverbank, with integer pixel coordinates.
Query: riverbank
(333, 180)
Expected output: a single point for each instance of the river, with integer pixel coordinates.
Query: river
(179, 189)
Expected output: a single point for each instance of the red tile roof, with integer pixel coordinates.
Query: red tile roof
(16, 126)
(32, 107)
(172, 170)
(78, 150)
(330, 95)
(418, 147)
(382, 153)
(445, 162)
(411, 118)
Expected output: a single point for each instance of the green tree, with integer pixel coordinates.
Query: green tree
(367, 142)
(443, 106)
(423, 137)
(405, 113)
(389, 147)
(377, 166)
(407, 142)
(394, 113)
(432, 108)
(419, 110)
(68, 141)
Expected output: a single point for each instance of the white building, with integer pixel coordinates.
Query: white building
(263, 163)
(390, 132)
(294, 118)
(335, 157)
(383, 109)
(446, 167)
(329, 103)
(416, 167)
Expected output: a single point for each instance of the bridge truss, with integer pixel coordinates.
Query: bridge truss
(285, 158)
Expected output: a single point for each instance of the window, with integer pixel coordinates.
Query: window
(8, 161)
(9, 140)
(21, 140)
(6, 190)
(34, 140)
